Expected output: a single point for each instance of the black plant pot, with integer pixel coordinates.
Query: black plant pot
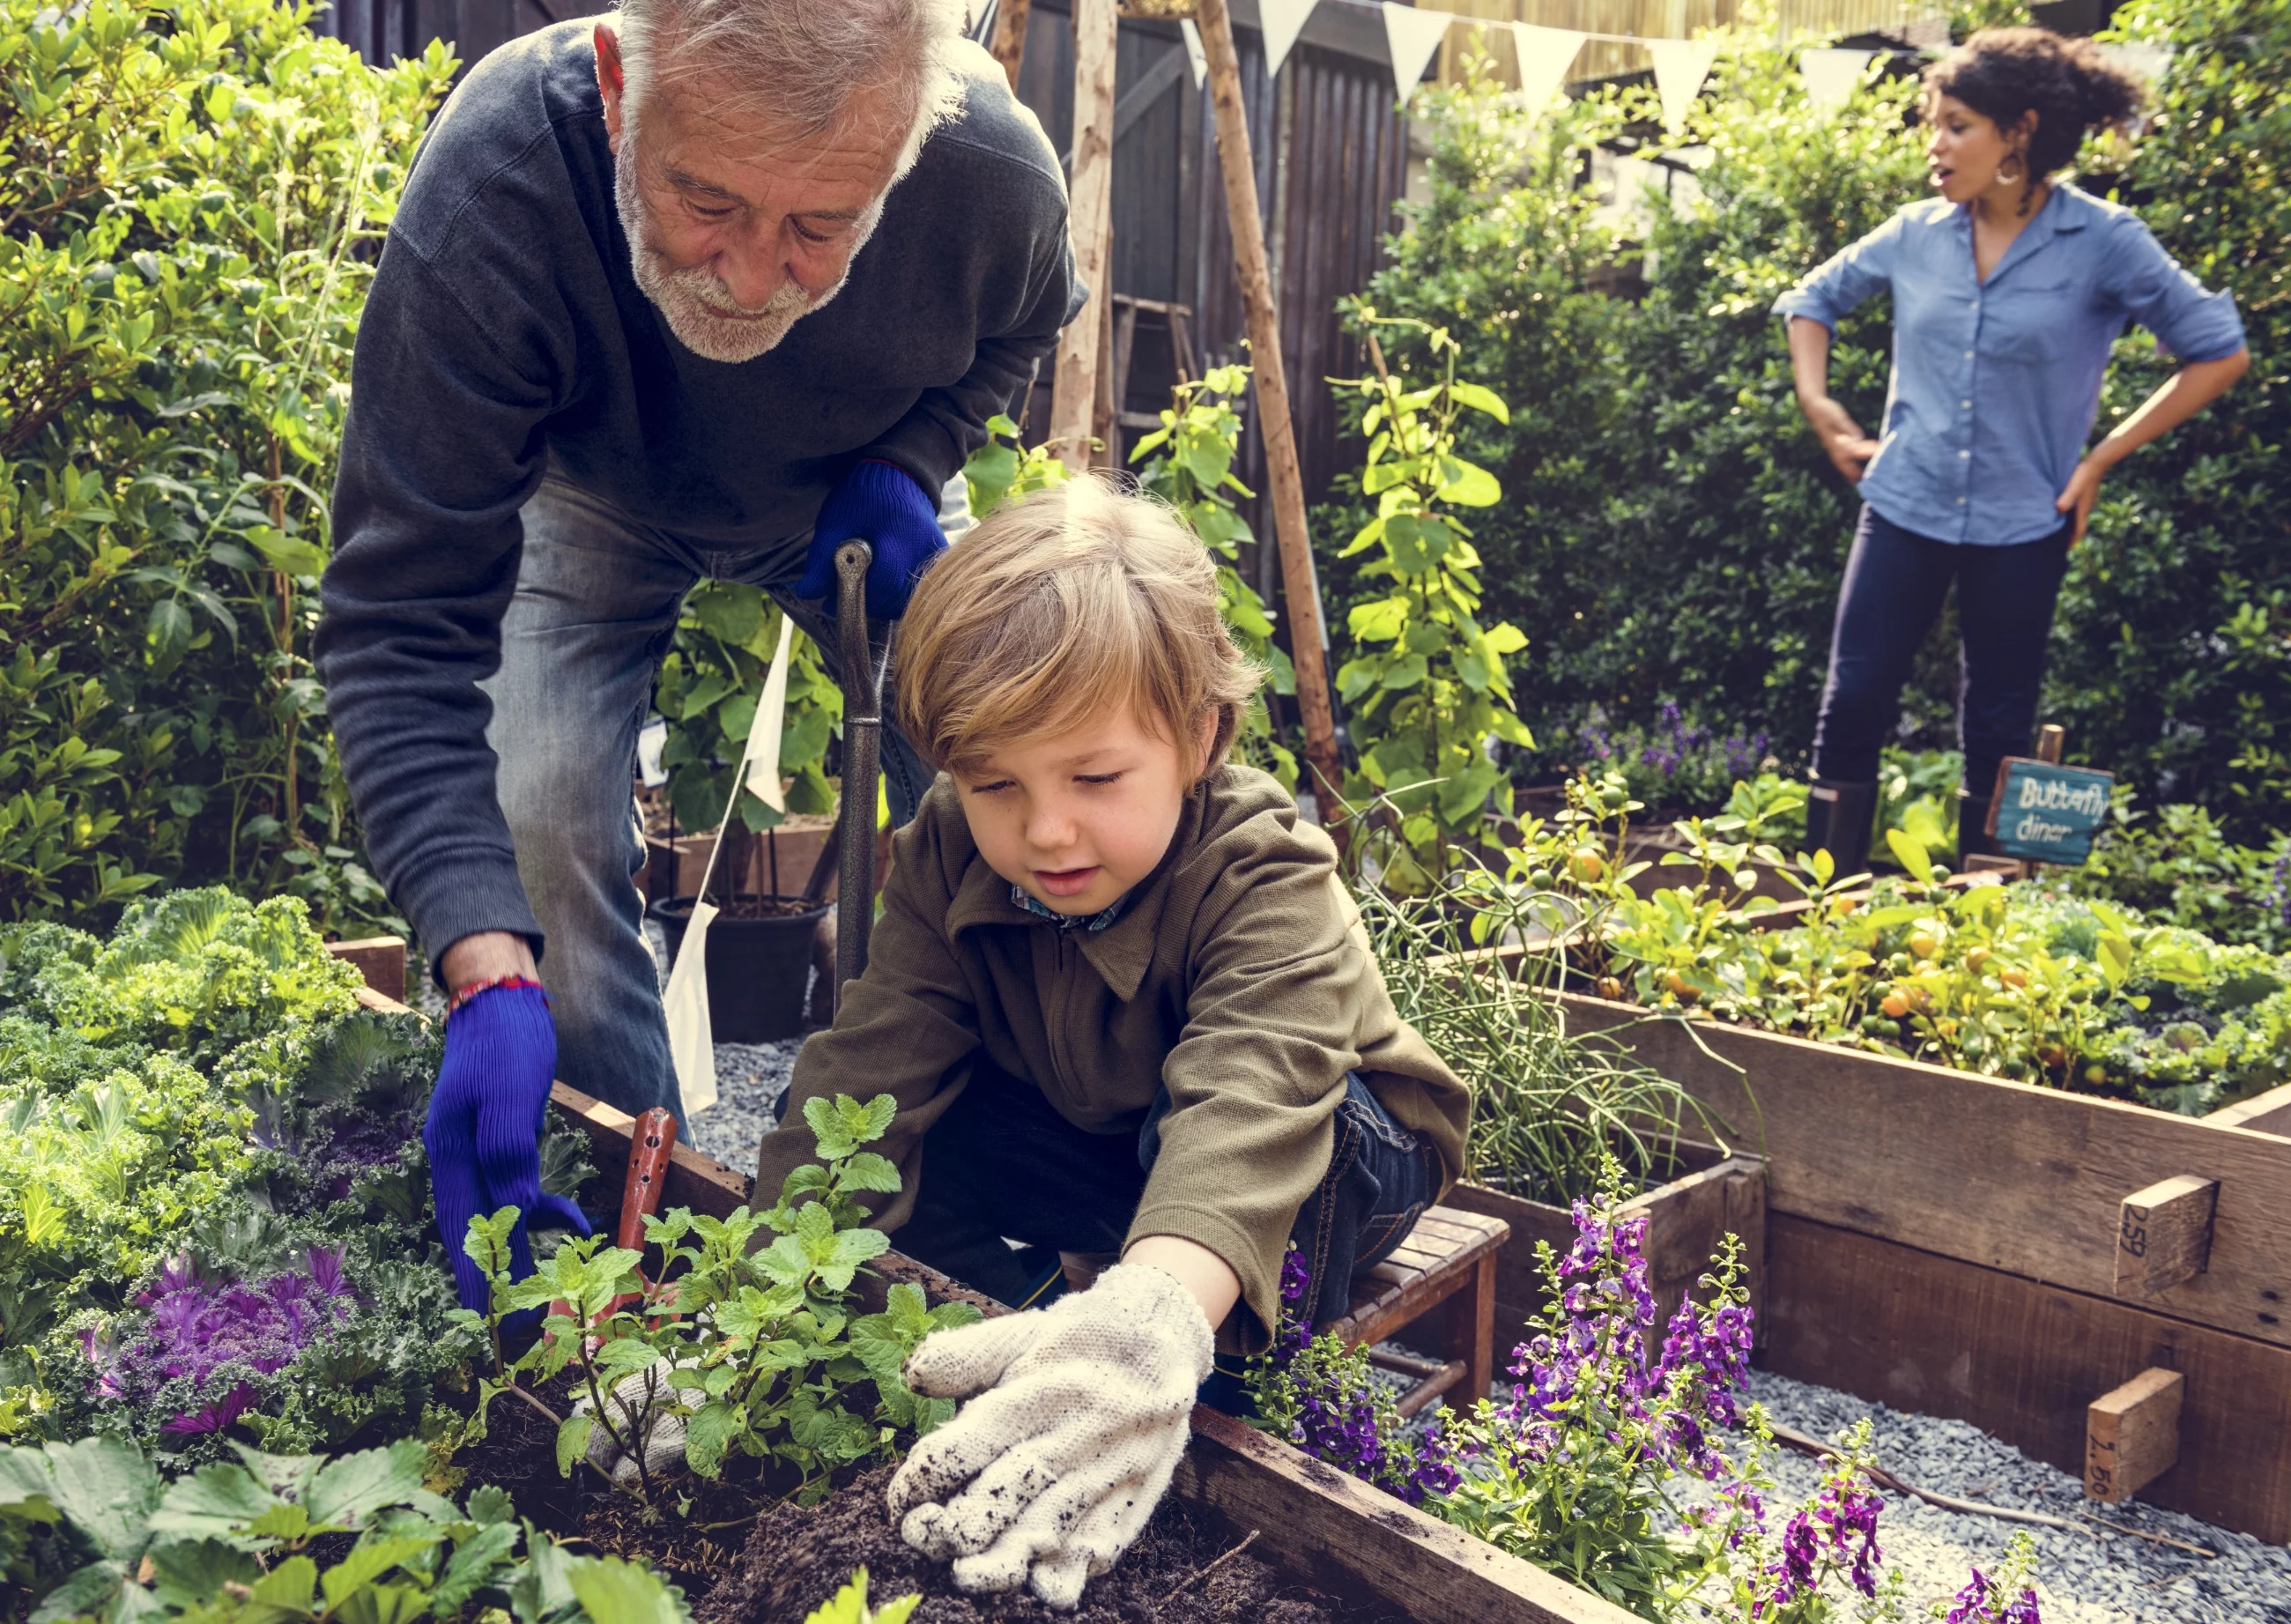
(758, 969)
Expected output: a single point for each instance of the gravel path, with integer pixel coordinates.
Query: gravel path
(2099, 1577)
(749, 1078)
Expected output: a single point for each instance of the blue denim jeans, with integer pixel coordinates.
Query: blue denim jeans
(1895, 584)
(597, 598)
(1003, 1162)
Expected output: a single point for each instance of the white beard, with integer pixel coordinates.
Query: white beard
(691, 300)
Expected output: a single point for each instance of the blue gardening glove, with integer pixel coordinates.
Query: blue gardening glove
(879, 503)
(484, 1131)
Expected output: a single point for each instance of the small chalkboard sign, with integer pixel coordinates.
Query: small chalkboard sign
(2047, 813)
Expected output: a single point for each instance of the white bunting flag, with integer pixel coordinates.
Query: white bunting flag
(1194, 55)
(1830, 76)
(1412, 35)
(1680, 67)
(1281, 20)
(1545, 56)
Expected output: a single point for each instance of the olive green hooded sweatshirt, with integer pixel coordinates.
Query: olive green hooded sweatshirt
(1236, 975)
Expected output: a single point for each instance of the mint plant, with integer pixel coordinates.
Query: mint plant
(733, 1348)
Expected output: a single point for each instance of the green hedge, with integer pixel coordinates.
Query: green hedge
(1672, 534)
(191, 193)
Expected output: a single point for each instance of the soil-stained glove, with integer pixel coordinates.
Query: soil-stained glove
(484, 1129)
(1081, 1413)
(881, 504)
(638, 1407)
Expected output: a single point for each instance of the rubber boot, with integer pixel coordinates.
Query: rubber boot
(1838, 815)
(1972, 836)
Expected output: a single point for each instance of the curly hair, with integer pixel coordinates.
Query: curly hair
(2005, 74)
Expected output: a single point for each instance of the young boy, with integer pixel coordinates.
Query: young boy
(1124, 1005)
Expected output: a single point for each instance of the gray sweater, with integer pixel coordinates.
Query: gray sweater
(504, 336)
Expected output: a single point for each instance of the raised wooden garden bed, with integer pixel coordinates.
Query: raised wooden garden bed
(1687, 1219)
(1965, 1246)
(1312, 1522)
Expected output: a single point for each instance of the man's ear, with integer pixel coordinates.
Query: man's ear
(611, 82)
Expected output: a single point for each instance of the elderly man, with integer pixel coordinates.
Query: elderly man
(704, 287)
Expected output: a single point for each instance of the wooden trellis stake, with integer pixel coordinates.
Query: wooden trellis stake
(1273, 416)
(1009, 47)
(1091, 218)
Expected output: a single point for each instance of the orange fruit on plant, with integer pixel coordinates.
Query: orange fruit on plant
(1681, 988)
(2013, 978)
(1922, 943)
(1894, 1005)
(1609, 989)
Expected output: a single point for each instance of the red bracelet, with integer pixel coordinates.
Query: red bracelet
(476, 987)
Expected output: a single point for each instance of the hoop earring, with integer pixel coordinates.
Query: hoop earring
(2019, 172)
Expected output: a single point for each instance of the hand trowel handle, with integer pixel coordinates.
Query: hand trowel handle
(862, 674)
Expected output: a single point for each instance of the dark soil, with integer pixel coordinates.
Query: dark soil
(798, 1559)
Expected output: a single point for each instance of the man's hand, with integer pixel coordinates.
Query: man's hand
(1083, 1411)
(484, 1129)
(1849, 449)
(879, 504)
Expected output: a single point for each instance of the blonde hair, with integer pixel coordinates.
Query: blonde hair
(1058, 606)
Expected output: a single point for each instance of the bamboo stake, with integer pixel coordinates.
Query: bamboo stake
(1009, 48)
(1090, 214)
(1273, 415)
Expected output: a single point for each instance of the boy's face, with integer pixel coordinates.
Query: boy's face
(1078, 818)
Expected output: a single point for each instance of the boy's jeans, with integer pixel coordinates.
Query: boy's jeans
(1003, 1162)
(597, 598)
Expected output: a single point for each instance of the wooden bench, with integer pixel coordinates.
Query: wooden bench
(1449, 1257)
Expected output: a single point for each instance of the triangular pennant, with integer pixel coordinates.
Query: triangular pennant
(1198, 58)
(761, 759)
(1545, 56)
(1280, 21)
(1680, 67)
(1412, 35)
(691, 1035)
(1830, 76)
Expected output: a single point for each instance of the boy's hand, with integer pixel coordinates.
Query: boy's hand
(1083, 1411)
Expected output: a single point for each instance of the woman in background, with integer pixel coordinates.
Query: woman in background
(2009, 289)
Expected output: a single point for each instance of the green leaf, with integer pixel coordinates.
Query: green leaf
(572, 1439)
(1910, 854)
(612, 1591)
(285, 553)
(867, 1170)
(346, 1493)
(368, 1562)
(109, 1490)
(709, 1432)
(292, 1585)
(217, 1502)
(186, 1572)
(1481, 399)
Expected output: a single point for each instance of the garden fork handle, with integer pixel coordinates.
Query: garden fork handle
(862, 670)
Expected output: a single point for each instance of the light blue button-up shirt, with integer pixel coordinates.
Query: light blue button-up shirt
(1995, 384)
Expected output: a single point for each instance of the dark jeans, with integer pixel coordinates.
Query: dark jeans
(1894, 586)
(1003, 1162)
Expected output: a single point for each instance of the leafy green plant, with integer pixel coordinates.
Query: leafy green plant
(192, 195)
(2179, 867)
(751, 1349)
(1550, 1107)
(1189, 465)
(710, 684)
(1428, 691)
(1003, 468)
(848, 1605)
(88, 1530)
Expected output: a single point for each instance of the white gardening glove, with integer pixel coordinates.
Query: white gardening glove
(1069, 1452)
(637, 1405)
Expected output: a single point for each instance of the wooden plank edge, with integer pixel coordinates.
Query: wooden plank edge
(1341, 1536)
(2268, 1113)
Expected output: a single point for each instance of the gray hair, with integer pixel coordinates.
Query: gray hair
(799, 65)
